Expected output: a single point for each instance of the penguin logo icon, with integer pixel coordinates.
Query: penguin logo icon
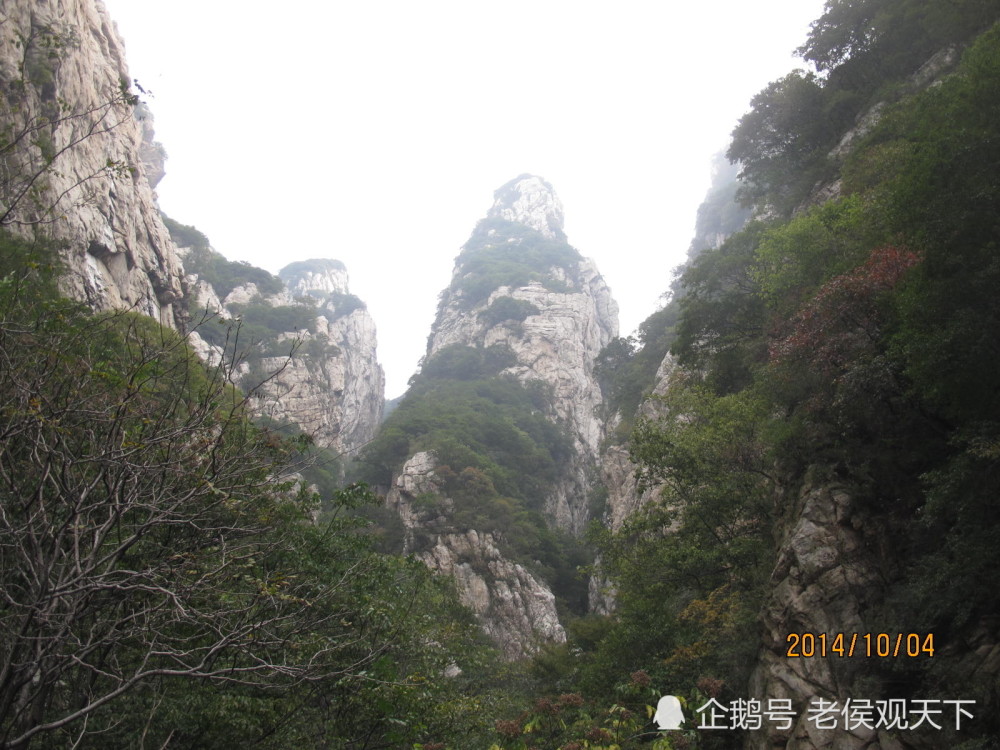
(668, 713)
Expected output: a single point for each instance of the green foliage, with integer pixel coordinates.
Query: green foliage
(164, 585)
(626, 368)
(503, 253)
(184, 235)
(793, 259)
(623, 721)
(504, 309)
(276, 318)
(865, 51)
(782, 142)
(458, 362)
(941, 194)
(690, 569)
(870, 41)
(855, 340)
(495, 425)
(723, 316)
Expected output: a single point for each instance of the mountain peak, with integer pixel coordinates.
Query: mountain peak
(318, 277)
(531, 201)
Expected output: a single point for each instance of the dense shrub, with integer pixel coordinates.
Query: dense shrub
(506, 309)
(502, 253)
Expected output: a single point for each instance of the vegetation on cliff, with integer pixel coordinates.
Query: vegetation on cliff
(850, 339)
(166, 578)
(505, 253)
(498, 456)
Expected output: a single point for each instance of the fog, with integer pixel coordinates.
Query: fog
(376, 132)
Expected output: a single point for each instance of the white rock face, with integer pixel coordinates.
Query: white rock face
(332, 386)
(531, 201)
(119, 254)
(337, 397)
(514, 608)
(825, 578)
(329, 277)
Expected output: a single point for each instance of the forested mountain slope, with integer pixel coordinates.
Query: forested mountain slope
(780, 495)
(825, 444)
(490, 456)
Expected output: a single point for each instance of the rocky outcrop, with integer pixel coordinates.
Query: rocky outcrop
(824, 580)
(341, 391)
(514, 607)
(625, 495)
(316, 278)
(324, 378)
(568, 315)
(331, 386)
(152, 153)
(519, 289)
(530, 201)
(83, 176)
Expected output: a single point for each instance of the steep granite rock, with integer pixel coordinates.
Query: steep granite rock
(322, 375)
(94, 195)
(517, 283)
(317, 278)
(825, 579)
(509, 363)
(332, 386)
(343, 392)
(619, 472)
(514, 608)
(624, 494)
(531, 201)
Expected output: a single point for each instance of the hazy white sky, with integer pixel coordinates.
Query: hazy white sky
(376, 131)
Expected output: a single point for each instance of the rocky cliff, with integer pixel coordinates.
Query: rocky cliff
(341, 393)
(493, 451)
(519, 284)
(80, 161)
(513, 607)
(825, 580)
(318, 366)
(73, 160)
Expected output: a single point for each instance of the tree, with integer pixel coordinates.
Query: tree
(781, 143)
(149, 531)
(722, 313)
